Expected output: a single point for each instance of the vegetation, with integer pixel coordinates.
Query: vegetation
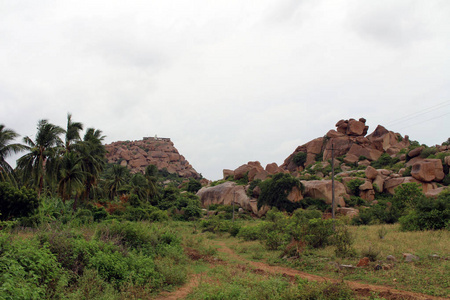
(74, 227)
(275, 190)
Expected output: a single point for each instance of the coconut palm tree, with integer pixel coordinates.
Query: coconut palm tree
(72, 132)
(39, 162)
(93, 162)
(116, 180)
(151, 174)
(6, 149)
(71, 176)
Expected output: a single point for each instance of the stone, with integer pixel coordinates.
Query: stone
(428, 170)
(314, 146)
(363, 262)
(387, 267)
(408, 257)
(225, 194)
(347, 211)
(273, 169)
(321, 189)
(447, 160)
(355, 128)
(364, 163)
(295, 195)
(370, 153)
(350, 158)
(415, 152)
(344, 167)
(334, 134)
(435, 192)
(368, 195)
(241, 171)
(378, 184)
(366, 186)
(227, 173)
(371, 173)
(391, 258)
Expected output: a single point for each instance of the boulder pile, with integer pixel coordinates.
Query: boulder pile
(161, 152)
(354, 154)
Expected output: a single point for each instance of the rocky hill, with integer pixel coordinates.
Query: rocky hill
(161, 152)
(381, 161)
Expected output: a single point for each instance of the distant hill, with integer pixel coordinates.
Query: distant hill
(161, 152)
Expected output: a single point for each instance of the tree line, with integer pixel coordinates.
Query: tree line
(64, 162)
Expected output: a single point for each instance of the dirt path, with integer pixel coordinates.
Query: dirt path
(360, 288)
(183, 291)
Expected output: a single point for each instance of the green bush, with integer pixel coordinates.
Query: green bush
(353, 185)
(274, 192)
(15, 202)
(428, 214)
(299, 158)
(28, 270)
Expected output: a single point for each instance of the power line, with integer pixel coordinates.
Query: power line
(432, 119)
(416, 114)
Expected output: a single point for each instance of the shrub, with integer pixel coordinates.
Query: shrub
(428, 151)
(343, 240)
(250, 233)
(353, 185)
(371, 253)
(29, 271)
(274, 191)
(193, 185)
(300, 158)
(15, 202)
(428, 214)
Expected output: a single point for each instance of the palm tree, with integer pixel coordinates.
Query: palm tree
(139, 186)
(71, 176)
(72, 132)
(92, 158)
(116, 179)
(6, 149)
(38, 162)
(151, 174)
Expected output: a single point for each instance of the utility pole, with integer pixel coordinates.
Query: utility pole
(333, 204)
(234, 200)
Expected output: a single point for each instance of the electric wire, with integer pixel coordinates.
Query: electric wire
(416, 114)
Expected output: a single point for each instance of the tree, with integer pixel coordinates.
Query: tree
(71, 176)
(300, 158)
(139, 186)
(92, 153)
(15, 203)
(151, 174)
(6, 149)
(116, 178)
(38, 162)
(72, 132)
(193, 185)
(275, 190)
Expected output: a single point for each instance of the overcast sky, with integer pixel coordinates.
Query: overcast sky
(229, 81)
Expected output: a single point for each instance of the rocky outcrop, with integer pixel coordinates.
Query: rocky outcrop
(349, 141)
(161, 152)
(228, 193)
(321, 189)
(428, 170)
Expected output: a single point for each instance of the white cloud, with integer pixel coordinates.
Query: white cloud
(228, 81)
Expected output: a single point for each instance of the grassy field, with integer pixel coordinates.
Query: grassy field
(216, 265)
(428, 275)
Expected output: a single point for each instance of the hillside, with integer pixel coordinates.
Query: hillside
(161, 152)
(365, 166)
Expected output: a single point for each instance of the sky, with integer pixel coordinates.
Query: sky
(228, 81)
